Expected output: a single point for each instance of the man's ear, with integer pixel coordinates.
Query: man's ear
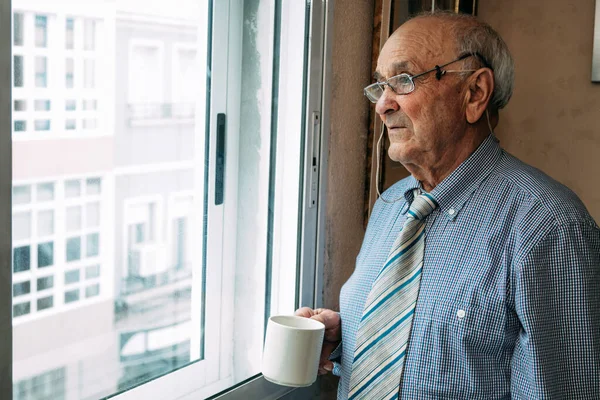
(479, 94)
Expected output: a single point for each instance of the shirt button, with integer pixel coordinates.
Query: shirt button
(451, 211)
(460, 314)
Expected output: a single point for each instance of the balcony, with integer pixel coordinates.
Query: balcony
(148, 114)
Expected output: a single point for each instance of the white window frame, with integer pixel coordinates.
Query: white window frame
(200, 377)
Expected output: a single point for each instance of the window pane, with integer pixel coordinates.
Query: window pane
(20, 126)
(45, 254)
(72, 276)
(45, 191)
(18, 71)
(42, 125)
(20, 105)
(89, 32)
(21, 194)
(93, 186)
(21, 226)
(92, 291)
(42, 105)
(69, 35)
(18, 29)
(69, 73)
(90, 104)
(73, 218)
(70, 105)
(41, 31)
(45, 303)
(92, 272)
(21, 288)
(89, 123)
(92, 248)
(45, 223)
(92, 215)
(73, 249)
(72, 188)
(41, 72)
(71, 296)
(21, 259)
(89, 71)
(45, 283)
(70, 124)
(21, 309)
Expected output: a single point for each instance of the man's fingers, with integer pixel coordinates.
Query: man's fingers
(305, 312)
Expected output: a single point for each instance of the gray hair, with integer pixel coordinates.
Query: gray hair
(476, 37)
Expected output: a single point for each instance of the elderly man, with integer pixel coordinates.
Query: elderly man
(479, 276)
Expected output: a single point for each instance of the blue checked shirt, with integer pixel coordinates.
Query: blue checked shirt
(509, 304)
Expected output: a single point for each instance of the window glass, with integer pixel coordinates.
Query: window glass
(45, 283)
(137, 256)
(45, 255)
(21, 226)
(45, 223)
(21, 259)
(71, 296)
(41, 72)
(45, 303)
(18, 29)
(21, 288)
(20, 105)
(20, 126)
(18, 71)
(72, 188)
(72, 276)
(41, 31)
(73, 249)
(70, 34)
(42, 105)
(21, 194)
(42, 125)
(45, 191)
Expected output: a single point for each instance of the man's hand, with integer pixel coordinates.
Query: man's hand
(333, 333)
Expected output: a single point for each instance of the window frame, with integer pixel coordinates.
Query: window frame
(311, 247)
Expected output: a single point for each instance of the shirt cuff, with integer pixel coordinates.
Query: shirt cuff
(336, 356)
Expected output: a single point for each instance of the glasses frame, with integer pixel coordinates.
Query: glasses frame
(439, 72)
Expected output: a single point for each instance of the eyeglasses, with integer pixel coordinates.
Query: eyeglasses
(405, 84)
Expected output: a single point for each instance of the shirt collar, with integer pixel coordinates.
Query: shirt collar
(454, 191)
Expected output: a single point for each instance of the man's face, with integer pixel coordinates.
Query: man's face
(427, 123)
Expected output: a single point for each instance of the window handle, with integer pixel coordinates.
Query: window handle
(220, 162)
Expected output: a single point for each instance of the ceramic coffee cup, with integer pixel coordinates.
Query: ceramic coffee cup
(292, 350)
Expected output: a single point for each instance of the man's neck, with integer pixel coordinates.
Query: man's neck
(433, 175)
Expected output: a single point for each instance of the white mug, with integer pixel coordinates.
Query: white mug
(292, 350)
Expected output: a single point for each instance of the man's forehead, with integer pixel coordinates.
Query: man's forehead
(411, 48)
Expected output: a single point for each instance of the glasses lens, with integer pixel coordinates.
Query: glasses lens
(402, 84)
(373, 92)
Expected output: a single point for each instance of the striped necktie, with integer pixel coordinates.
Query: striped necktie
(387, 317)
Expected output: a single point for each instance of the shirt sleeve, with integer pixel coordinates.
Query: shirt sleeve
(557, 300)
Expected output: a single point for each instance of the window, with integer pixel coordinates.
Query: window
(42, 105)
(41, 72)
(18, 29)
(89, 34)
(88, 74)
(18, 71)
(129, 251)
(20, 105)
(69, 73)
(70, 34)
(42, 124)
(41, 31)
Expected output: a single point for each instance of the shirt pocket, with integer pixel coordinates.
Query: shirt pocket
(473, 330)
(457, 351)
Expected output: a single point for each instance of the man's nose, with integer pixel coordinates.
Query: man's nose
(387, 102)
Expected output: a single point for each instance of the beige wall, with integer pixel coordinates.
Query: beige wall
(351, 72)
(553, 118)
